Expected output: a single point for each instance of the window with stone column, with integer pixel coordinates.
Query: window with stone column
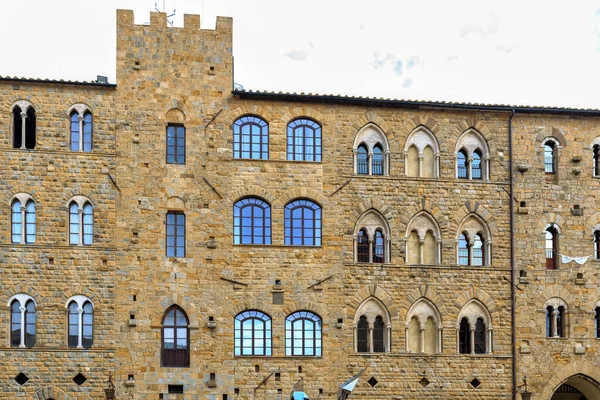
(80, 322)
(24, 125)
(81, 221)
(556, 326)
(423, 240)
(473, 242)
(474, 329)
(371, 238)
(22, 320)
(423, 328)
(23, 219)
(80, 118)
(372, 327)
(371, 151)
(422, 154)
(472, 156)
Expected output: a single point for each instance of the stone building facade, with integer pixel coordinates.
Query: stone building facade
(225, 244)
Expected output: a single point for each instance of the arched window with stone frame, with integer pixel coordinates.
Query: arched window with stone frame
(472, 156)
(81, 128)
(80, 322)
(551, 236)
(175, 348)
(81, 221)
(473, 242)
(423, 328)
(556, 323)
(371, 143)
(371, 238)
(423, 240)
(23, 320)
(474, 329)
(23, 125)
(372, 327)
(23, 219)
(422, 154)
(250, 138)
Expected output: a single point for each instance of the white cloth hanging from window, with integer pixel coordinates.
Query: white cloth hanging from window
(578, 260)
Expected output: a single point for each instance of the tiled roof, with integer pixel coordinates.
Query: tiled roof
(380, 101)
(54, 81)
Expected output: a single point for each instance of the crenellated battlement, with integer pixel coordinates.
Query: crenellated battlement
(191, 22)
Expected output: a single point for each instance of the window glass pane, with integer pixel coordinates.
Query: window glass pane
(74, 132)
(87, 132)
(16, 221)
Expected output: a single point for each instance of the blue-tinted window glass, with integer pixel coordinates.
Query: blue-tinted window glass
(16, 222)
(250, 138)
(87, 132)
(87, 319)
(362, 160)
(88, 224)
(73, 336)
(30, 228)
(303, 334)
(302, 223)
(75, 131)
(377, 161)
(463, 250)
(175, 144)
(478, 251)
(476, 165)
(251, 221)
(15, 324)
(252, 334)
(74, 223)
(175, 234)
(461, 165)
(304, 140)
(175, 339)
(30, 321)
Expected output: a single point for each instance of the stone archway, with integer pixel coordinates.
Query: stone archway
(577, 387)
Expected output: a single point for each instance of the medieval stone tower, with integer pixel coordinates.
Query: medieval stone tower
(201, 243)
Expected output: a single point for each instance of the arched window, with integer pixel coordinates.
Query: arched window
(23, 233)
(551, 247)
(251, 138)
(463, 250)
(362, 160)
(81, 223)
(302, 223)
(422, 154)
(478, 250)
(362, 243)
(81, 322)
(24, 127)
(597, 245)
(550, 321)
(474, 329)
(555, 318)
(550, 157)
(303, 334)
(252, 334)
(597, 322)
(175, 338)
(81, 131)
(304, 140)
(371, 151)
(464, 337)
(377, 161)
(462, 167)
(378, 247)
(423, 238)
(372, 328)
(476, 165)
(560, 321)
(22, 321)
(596, 160)
(362, 335)
(423, 328)
(251, 221)
(175, 234)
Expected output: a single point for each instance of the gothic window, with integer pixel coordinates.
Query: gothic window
(302, 223)
(472, 156)
(372, 328)
(81, 222)
(251, 221)
(175, 144)
(371, 151)
(81, 130)
(24, 126)
(423, 240)
(303, 334)
(555, 318)
(597, 244)
(473, 244)
(474, 330)
(371, 238)
(596, 159)
(422, 154)
(80, 322)
(23, 219)
(463, 250)
(252, 334)
(251, 138)
(478, 250)
(362, 335)
(423, 328)
(304, 140)
(175, 234)
(175, 338)
(378, 335)
(22, 321)
(551, 245)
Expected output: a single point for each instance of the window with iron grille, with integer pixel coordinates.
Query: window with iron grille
(463, 250)
(462, 166)
(362, 247)
(362, 160)
(377, 160)
(596, 160)
(550, 157)
(304, 140)
(175, 144)
(251, 138)
(551, 248)
(476, 165)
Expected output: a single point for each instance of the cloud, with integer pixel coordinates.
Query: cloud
(398, 64)
(505, 49)
(451, 58)
(484, 32)
(398, 67)
(379, 61)
(407, 83)
(297, 55)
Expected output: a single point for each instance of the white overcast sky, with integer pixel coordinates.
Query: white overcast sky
(514, 52)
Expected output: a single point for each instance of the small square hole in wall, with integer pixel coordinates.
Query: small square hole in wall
(475, 383)
(134, 297)
(424, 382)
(277, 376)
(580, 275)
(212, 376)
(523, 204)
(104, 262)
(372, 381)
(175, 389)
(299, 369)
(206, 206)
(147, 165)
(279, 391)
(135, 235)
(21, 378)
(51, 260)
(256, 368)
(224, 397)
(236, 391)
(131, 316)
(320, 390)
(340, 320)
(160, 396)
(79, 379)
(523, 273)
(139, 258)
(130, 378)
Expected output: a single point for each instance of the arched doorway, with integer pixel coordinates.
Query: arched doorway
(577, 387)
